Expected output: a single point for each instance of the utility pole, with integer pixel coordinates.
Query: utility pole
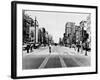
(35, 29)
(83, 25)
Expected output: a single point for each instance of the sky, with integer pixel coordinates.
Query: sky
(54, 22)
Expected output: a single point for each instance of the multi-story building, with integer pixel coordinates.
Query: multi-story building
(69, 27)
(83, 25)
(27, 23)
(78, 33)
(69, 32)
(61, 41)
(33, 31)
(43, 36)
(47, 37)
(89, 24)
(40, 35)
(89, 29)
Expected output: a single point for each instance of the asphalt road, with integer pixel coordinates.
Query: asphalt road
(59, 57)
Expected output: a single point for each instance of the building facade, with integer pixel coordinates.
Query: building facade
(89, 29)
(78, 34)
(69, 33)
(27, 23)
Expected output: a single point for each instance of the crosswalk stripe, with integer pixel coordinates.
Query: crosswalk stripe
(78, 62)
(62, 62)
(44, 62)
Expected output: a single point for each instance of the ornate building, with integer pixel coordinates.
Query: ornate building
(69, 32)
(89, 29)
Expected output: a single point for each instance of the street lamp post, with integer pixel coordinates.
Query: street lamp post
(82, 40)
(35, 29)
(83, 26)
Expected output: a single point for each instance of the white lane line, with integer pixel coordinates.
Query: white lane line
(78, 62)
(61, 59)
(62, 62)
(44, 62)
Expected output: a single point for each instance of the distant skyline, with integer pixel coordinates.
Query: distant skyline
(54, 22)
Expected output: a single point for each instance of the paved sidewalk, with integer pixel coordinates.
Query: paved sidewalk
(75, 52)
(72, 51)
(39, 51)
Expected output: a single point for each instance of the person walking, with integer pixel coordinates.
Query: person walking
(31, 47)
(78, 46)
(28, 47)
(86, 48)
(50, 48)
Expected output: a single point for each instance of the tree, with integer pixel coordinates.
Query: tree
(40, 36)
(84, 40)
(85, 36)
(44, 38)
(74, 39)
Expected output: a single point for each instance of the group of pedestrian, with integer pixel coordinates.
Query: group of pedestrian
(80, 47)
(83, 46)
(29, 47)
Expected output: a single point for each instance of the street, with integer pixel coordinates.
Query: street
(60, 56)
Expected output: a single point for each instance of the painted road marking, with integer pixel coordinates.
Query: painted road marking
(78, 62)
(62, 62)
(44, 62)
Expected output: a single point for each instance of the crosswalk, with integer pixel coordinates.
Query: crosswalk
(56, 59)
(44, 62)
(61, 61)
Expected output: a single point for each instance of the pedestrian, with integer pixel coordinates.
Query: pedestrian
(31, 47)
(78, 46)
(75, 47)
(49, 48)
(86, 48)
(78, 49)
(28, 47)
